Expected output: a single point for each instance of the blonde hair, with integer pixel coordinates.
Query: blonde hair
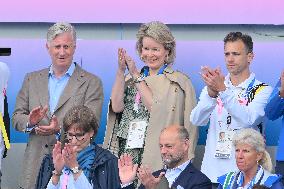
(255, 139)
(160, 33)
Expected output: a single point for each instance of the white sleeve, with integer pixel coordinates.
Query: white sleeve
(52, 186)
(246, 115)
(82, 182)
(201, 113)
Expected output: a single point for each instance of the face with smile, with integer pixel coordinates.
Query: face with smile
(153, 54)
(173, 149)
(246, 158)
(78, 138)
(61, 50)
(237, 58)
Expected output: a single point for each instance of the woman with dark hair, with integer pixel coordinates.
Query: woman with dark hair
(81, 163)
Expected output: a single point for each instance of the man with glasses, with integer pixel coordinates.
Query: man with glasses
(46, 95)
(230, 103)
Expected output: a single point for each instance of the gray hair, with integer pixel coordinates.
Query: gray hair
(159, 32)
(255, 139)
(59, 28)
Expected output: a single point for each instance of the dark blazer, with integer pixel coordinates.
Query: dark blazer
(83, 88)
(190, 178)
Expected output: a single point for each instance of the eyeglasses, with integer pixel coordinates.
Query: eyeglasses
(78, 136)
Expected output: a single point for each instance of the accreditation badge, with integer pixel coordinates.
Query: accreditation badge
(224, 144)
(136, 134)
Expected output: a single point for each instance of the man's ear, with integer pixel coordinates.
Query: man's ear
(187, 142)
(250, 57)
(47, 46)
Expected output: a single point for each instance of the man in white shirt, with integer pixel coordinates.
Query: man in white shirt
(230, 103)
(178, 172)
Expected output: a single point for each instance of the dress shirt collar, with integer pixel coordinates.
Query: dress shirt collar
(242, 85)
(69, 72)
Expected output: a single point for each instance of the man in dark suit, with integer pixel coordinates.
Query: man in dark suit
(178, 172)
(46, 95)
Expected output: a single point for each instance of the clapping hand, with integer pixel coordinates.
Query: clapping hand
(37, 114)
(50, 129)
(147, 179)
(127, 170)
(214, 79)
(282, 84)
(121, 59)
(58, 159)
(69, 153)
(131, 66)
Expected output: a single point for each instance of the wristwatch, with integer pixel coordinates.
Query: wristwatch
(54, 172)
(139, 79)
(75, 170)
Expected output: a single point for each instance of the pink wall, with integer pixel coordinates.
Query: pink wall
(134, 11)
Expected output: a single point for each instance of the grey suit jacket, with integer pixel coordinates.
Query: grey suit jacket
(83, 88)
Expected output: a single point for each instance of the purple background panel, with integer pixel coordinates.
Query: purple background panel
(100, 57)
(131, 11)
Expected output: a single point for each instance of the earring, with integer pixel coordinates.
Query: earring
(167, 58)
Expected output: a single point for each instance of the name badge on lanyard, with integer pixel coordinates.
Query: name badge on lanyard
(136, 134)
(224, 139)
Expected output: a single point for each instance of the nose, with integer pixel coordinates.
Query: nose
(239, 155)
(61, 51)
(72, 139)
(163, 150)
(229, 58)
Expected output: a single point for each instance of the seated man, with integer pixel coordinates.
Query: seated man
(178, 172)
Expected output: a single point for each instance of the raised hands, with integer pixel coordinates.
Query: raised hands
(50, 129)
(147, 179)
(37, 114)
(214, 79)
(58, 159)
(69, 153)
(282, 84)
(121, 60)
(66, 157)
(127, 170)
(125, 61)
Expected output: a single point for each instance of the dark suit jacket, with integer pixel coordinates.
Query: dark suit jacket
(190, 178)
(83, 88)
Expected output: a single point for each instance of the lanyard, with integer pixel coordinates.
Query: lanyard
(145, 71)
(250, 87)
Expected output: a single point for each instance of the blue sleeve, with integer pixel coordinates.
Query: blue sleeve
(277, 185)
(220, 186)
(275, 107)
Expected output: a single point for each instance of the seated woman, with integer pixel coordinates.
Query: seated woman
(81, 163)
(253, 161)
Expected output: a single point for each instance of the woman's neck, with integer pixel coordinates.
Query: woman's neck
(249, 175)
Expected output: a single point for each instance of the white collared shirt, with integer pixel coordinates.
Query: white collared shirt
(173, 174)
(242, 116)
